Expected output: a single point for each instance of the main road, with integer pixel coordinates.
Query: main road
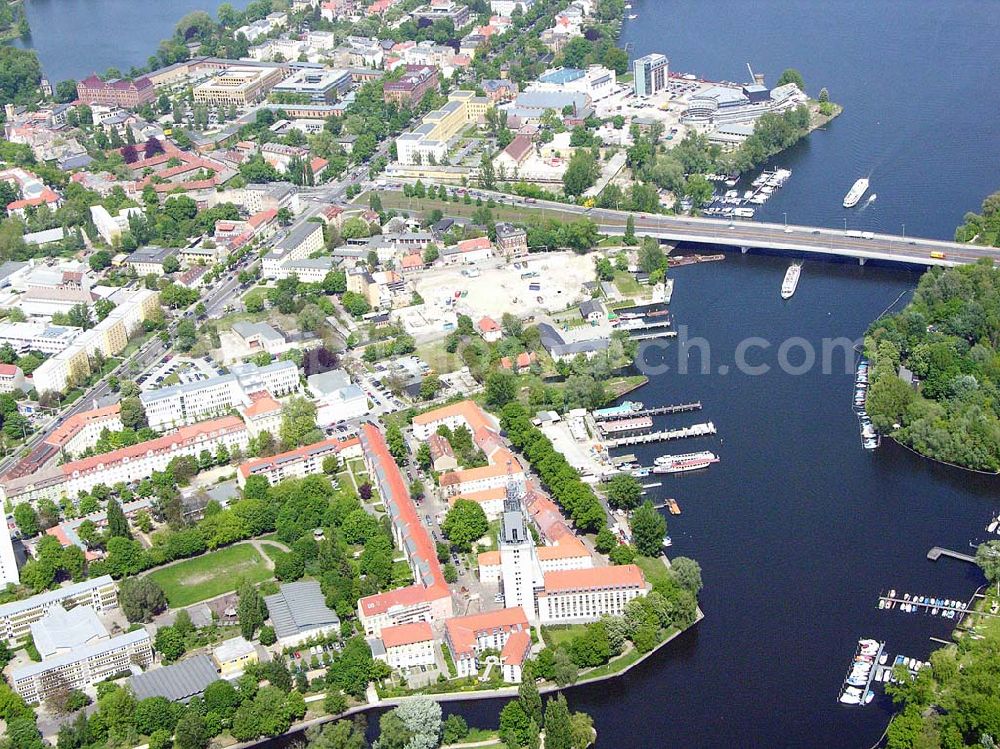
(747, 235)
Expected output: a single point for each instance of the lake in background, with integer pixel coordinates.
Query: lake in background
(75, 38)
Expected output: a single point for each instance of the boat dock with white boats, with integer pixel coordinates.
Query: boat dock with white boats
(735, 204)
(695, 430)
(945, 607)
(856, 689)
(870, 438)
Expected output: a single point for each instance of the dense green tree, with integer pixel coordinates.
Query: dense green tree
(558, 729)
(250, 610)
(465, 522)
(140, 598)
(648, 529)
(688, 573)
(117, 522)
(791, 75)
(624, 492)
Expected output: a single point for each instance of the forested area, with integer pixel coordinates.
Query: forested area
(948, 337)
(982, 228)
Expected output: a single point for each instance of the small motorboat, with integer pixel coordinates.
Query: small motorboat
(992, 527)
(869, 695)
(906, 596)
(934, 611)
(850, 699)
(892, 593)
(881, 603)
(883, 658)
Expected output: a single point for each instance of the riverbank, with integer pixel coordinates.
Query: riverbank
(503, 692)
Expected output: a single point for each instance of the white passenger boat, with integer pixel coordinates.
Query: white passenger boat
(791, 281)
(856, 192)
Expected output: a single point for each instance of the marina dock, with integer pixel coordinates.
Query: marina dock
(626, 425)
(676, 409)
(695, 430)
(654, 334)
(937, 552)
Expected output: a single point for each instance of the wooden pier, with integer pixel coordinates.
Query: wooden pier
(937, 552)
(676, 409)
(654, 334)
(695, 430)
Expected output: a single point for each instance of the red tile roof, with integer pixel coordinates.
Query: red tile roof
(407, 521)
(463, 630)
(71, 426)
(516, 649)
(466, 410)
(166, 442)
(406, 634)
(488, 324)
(267, 463)
(476, 243)
(595, 578)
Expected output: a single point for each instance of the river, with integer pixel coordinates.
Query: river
(75, 38)
(798, 528)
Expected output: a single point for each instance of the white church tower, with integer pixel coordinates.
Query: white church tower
(520, 572)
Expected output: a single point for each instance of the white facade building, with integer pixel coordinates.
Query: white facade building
(185, 404)
(520, 573)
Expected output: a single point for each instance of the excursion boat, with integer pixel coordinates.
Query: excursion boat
(684, 462)
(791, 281)
(858, 189)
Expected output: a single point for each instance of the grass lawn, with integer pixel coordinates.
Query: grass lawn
(554, 636)
(438, 358)
(654, 569)
(210, 575)
(272, 551)
(627, 284)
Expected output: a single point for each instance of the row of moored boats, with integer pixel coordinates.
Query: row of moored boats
(946, 607)
(869, 437)
(856, 691)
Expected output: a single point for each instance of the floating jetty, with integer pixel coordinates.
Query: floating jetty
(937, 552)
(904, 602)
(603, 415)
(675, 509)
(856, 689)
(627, 425)
(654, 334)
(695, 430)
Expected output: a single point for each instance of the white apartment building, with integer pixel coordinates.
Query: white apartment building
(468, 636)
(127, 464)
(110, 336)
(405, 646)
(298, 244)
(188, 403)
(270, 196)
(579, 596)
(37, 336)
(305, 461)
(16, 617)
(111, 227)
(77, 652)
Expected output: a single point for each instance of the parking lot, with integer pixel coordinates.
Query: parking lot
(178, 370)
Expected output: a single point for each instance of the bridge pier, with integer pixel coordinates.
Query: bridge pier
(744, 250)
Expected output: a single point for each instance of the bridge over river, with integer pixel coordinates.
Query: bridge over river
(749, 235)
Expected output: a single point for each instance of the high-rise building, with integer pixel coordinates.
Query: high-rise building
(520, 572)
(651, 73)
